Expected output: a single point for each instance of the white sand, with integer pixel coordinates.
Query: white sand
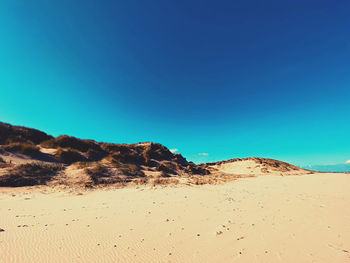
(264, 219)
(250, 167)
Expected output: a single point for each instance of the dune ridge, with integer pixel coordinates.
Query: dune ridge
(31, 157)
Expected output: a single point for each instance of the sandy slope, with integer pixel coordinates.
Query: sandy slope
(254, 168)
(264, 219)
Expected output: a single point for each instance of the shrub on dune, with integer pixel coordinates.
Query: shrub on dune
(131, 170)
(96, 173)
(168, 168)
(69, 156)
(69, 142)
(23, 148)
(164, 181)
(30, 174)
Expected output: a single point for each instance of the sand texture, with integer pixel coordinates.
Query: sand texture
(262, 219)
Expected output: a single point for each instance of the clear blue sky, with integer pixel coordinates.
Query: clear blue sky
(213, 79)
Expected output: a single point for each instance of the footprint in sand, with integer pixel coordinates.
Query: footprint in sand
(219, 233)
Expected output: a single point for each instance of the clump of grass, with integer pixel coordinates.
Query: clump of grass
(100, 174)
(3, 163)
(202, 181)
(131, 170)
(164, 174)
(164, 181)
(69, 156)
(167, 168)
(264, 170)
(23, 148)
(195, 169)
(82, 165)
(127, 169)
(10, 134)
(126, 155)
(95, 155)
(29, 174)
(141, 181)
(96, 173)
(65, 141)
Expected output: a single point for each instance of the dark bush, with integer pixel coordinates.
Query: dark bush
(97, 172)
(3, 163)
(69, 156)
(131, 157)
(65, 141)
(30, 174)
(164, 174)
(112, 148)
(196, 169)
(157, 152)
(180, 159)
(131, 170)
(94, 155)
(24, 148)
(100, 174)
(11, 134)
(168, 168)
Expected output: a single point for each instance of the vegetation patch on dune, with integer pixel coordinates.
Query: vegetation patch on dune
(29, 174)
(69, 156)
(10, 134)
(22, 147)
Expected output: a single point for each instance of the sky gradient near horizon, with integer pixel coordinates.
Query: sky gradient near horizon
(213, 79)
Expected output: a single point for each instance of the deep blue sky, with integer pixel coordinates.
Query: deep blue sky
(224, 78)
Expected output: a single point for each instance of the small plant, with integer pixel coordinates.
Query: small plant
(141, 181)
(164, 181)
(264, 170)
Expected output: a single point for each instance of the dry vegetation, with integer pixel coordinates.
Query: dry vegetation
(103, 163)
(164, 181)
(10, 134)
(69, 156)
(22, 147)
(29, 174)
(3, 163)
(216, 179)
(271, 163)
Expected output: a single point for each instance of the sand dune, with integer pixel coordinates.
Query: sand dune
(263, 219)
(255, 166)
